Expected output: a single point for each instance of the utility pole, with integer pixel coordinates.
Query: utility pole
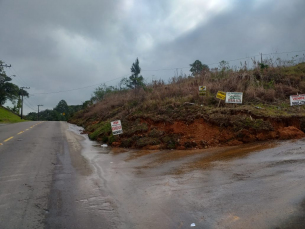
(38, 112)
(22, 100)
(261, 58)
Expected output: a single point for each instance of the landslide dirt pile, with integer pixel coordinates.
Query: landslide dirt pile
(174, 116)
(199, 128)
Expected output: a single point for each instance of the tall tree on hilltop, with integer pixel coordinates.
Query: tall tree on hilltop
(135, 80)
(197, 67)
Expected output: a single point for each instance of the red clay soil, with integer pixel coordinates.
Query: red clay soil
(201, 134)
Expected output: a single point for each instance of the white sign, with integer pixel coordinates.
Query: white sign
(297, 100)
(234, 97)
(116, 127)
(202, 90)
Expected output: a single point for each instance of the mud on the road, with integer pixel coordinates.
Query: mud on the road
(203, 158)
(249, 186)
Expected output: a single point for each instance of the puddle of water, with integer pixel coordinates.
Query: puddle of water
(237, 189)
(90, 148)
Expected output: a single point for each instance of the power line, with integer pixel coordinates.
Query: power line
(25, 103)
(18, 79)
(74, 89)
(23, 79)
(162, 69)
(283, 52)
(243, 58)
(29, 101)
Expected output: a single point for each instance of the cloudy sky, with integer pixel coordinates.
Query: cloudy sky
(57, 46)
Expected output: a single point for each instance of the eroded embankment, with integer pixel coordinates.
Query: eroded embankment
(203, 134)
(200, 129)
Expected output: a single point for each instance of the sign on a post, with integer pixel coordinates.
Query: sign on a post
(116, 127)
(221, 95)
(202, 90)
(234, 97)
(297, 100)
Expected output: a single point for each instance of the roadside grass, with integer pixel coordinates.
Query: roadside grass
(9, 117)
(264, 88)
(265, 95)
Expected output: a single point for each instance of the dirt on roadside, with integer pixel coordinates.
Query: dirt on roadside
(208, 128)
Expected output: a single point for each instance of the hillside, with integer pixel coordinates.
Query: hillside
(7, 116)
(174, 115)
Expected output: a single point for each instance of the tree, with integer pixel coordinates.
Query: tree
(197, 67)
(62, 106)
(86, 104)
(8, 90)
(63, 109)
(224, 65)
(122, 82)
(135, 81)
(100, 92)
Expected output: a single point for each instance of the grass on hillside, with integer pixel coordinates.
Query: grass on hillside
(266, 93)
(9, 117)
(266, 88)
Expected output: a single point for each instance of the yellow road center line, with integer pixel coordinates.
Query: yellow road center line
(26, 129)
(20, 132)
(8, 139)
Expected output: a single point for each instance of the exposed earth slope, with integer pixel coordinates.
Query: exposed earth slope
(174, 116)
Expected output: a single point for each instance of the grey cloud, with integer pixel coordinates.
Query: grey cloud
(59, 45)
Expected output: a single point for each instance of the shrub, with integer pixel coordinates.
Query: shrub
(171, 142)
(103, 130)
(136, 128)
(154, 133)
(141, 142)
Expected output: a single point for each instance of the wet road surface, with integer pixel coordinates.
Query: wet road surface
(56, 178)
(27, 157)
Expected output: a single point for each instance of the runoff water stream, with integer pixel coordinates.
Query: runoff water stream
(261, 189)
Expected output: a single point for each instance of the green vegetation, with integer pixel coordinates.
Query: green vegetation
(197, 67)
(266, 89)
(10, 91)
(7, 116)
(103, 130)
(135, 80)
(62, 112)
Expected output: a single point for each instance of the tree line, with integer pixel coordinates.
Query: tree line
(136, 81)
(10, 91)
(61, 112)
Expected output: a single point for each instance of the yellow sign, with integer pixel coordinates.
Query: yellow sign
(202, 90)
(221, 95)
(63, 113)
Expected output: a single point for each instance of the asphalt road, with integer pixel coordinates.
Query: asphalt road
(51, 176)
(27, 158)
(43, 180)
